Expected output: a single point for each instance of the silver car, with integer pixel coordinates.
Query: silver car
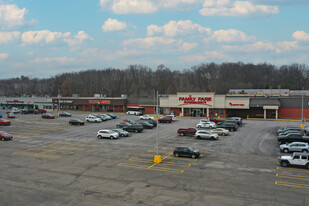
(294, 147)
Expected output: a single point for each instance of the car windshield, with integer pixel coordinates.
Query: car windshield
(190, 149)
(4, 133)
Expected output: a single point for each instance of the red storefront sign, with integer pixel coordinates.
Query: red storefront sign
(195, 100)
(99, 102)
(236, 105)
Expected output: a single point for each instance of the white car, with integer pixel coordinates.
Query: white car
(172, 116)
(105, 133)
(146, 117)
(204, 134)
(207, 124)
(134, 112)
(107, 117)
(91, 118)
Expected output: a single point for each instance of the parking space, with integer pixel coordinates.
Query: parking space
(69, 165)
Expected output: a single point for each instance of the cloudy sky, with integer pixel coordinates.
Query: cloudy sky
(42, 38)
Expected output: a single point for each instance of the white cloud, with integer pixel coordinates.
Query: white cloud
(173, 28)
(30, 53)
(261, 46)
(206, 56)
(145, 6)
(188, 46)
(61, 60)
(236, 8)
(34, 37)
(129, 6)
(113, 25)
(11, 16)
(230, 35)
(301, 36)
(3, 56)
(149, 42)
(9, 36)
(79, 38)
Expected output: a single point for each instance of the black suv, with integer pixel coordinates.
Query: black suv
(134, 128)
(29, 111)
(146, 124)
(229, 126)
(186, 152)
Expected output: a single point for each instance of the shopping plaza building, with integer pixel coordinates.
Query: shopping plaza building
(254, 103)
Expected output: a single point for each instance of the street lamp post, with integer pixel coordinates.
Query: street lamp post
(302, 108)
(157, 158)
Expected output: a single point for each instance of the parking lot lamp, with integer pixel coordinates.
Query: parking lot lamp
(302, 108)
(157, 158)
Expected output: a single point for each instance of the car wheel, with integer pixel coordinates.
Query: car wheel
(285, 150)
(308, 166)
(223, 134)
(112, 137)
(284, 164)
(210, 127)
(176, 155)
(170, 122)
(305, 151)
(193, 156)
(2, 139)
(136, 131)
(99, 137)
(70, 123)
(232, 130)
(182, 134)
(198, 137)
(95, 121)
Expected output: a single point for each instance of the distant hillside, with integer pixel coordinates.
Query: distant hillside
(139, 80)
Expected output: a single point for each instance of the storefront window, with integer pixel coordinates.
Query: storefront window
(211, 111)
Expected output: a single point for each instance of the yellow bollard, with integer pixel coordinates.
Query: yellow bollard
(157, 159)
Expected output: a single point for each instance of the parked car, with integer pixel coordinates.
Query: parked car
(48, 116)
(188, 131)
(172, 116)
(300, 131)
(292, 137)
(135, 112)
(121, 132)
(145, 116)
(102, 117)
(76, 122)
(27, 111)
(5, 136)
(11, 115)
(65, 114)
(39, 111)
(297, 159)
(5, 122)
(186, 152)
(146, 124)
(165, 119)
(295, 147)
(1, 115)
(220, 131)
(105, 133)
(227, 121)
(204, 134)
(107, 116)
(214, 119)
(130, 121)
(287, 128)
(238, 120)
(229, 126)
(112, 115)
(91, 118)
(14, 111)
(151, 121)
(122, 124)
(206, 125)
(134, 128)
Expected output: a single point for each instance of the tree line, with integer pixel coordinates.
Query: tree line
(138, 80)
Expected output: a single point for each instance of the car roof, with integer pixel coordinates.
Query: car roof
(301, 153)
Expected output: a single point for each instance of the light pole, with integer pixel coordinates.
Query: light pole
(157, 158)
(302, 108)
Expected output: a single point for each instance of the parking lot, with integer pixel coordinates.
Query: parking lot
(50, 162)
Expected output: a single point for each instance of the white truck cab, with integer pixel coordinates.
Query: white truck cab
(298, 159)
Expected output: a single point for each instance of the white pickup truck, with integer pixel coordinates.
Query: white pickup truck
(300, 159)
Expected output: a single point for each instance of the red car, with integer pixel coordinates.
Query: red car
(48, 116)
(11, 115)
(214, 119)
(5, 136)
(165, 119)
(5, 122)
(39, 111)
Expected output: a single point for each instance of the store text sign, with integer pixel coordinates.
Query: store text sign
(195, 100)
(236, 105)
(99, 102)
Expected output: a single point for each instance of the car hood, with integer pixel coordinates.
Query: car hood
(286, 157)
